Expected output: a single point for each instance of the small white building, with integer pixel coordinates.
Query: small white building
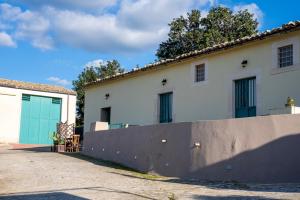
(29, 112)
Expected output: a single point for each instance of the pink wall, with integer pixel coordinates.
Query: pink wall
(259, 149)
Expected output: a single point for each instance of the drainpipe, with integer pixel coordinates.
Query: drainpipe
(68, 109)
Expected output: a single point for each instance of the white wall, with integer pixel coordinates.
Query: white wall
(11, 107)
(9, 113)
(134, 100)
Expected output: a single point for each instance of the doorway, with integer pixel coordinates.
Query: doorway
(245, 97)
(105, 114)
(165, 107)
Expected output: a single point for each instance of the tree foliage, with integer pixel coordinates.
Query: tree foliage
(90, 74)
(195, 32)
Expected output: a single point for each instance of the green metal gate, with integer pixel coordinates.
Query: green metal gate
(245, 97)
(39, 118)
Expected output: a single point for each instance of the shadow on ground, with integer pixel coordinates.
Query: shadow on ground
(233, 197)
(48, 196)
(230, 185)
(100, 162)
(60, 194)
(77, 155)
(132, 173)
(38, 149)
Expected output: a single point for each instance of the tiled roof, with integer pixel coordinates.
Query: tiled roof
(291, 26)
(35, 87)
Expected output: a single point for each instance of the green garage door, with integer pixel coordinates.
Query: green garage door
(38, 119)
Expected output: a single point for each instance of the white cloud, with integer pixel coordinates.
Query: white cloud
(132, 26)
(6, 40)
(9, 12)
(33, 27)
(207, 2)
(71, 4)
(137, 25)
(29, 26)
(103, 33)
(94, 63)
(59, 81)
(151, 14)
(253, 9)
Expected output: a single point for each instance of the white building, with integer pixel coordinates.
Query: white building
(29, 112)
(247, 77)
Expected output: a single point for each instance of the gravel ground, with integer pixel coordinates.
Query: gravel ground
(32, 174)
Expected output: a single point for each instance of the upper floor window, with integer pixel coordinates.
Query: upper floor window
(200, 73)
(285, 56)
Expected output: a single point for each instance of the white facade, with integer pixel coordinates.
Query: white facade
(11, 107)
(134, 99)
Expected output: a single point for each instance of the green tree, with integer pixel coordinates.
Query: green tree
(109, 68)
(195, 33)
(90, 74)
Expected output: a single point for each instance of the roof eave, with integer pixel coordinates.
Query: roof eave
(290, 27)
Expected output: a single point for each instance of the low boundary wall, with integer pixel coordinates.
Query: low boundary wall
(259, 149)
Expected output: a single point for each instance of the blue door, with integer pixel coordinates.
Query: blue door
(165, 107)
(39, 117)
(245, 97)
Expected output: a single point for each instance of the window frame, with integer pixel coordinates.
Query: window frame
(280, 56)
(275, 68)
(197, 69)
(194, 71)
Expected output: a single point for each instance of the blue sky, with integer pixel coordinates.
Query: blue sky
(51, 41)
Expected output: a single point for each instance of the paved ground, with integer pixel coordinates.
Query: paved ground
(33, 174)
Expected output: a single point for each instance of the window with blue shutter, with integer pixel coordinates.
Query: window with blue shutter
(165, 107)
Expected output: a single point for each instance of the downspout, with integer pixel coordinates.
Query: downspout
(68, 108)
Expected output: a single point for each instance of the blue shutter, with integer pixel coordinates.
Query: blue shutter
(245, 98)
(165, 108)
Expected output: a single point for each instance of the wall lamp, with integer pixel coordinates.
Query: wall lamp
(197, 144)
(244, 63)
(107, 95)
(164, 81)
(164, 141)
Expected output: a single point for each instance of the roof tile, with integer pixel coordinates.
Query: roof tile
(291, 26)
(35, 86)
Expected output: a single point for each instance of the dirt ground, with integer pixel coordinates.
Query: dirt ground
(35, 173)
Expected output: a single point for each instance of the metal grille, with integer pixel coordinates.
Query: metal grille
(200, 73)
(56, 100)
(285, 56)
(26, 97)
